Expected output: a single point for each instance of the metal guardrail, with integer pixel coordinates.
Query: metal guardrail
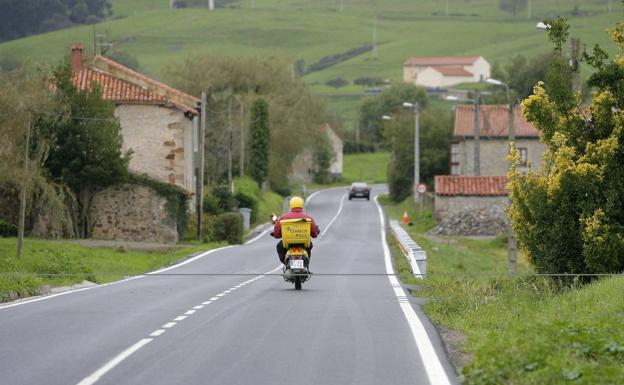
(416, 256)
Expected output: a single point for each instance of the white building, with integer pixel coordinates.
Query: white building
(440, 72)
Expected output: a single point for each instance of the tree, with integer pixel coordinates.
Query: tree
(260, 140)
(435, 129)
(85, 152)
(569, 216)
(512, 6)
(522, 74)
(373, 108)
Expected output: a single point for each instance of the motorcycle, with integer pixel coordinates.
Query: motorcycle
(296, 238)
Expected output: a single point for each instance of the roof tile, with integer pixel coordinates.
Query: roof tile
(493, 121)
(447, 185)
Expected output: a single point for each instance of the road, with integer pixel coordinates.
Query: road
(220, 319)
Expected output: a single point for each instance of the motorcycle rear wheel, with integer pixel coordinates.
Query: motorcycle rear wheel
(297, 283)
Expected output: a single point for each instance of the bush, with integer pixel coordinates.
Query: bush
(249, 201)
(7, 229)
(228, 227)
(211, 204)
(337, 82)
(225, 199)
(351, 147)
(368, 81)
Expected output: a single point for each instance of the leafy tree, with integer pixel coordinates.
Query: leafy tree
(323, 157)
(85, 152)
(569, 216)
(260, 140)
(435, 128)
(373, 108)
(512, 6)
(296, 114)
(522, 74)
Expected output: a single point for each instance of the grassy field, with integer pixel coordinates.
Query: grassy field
(310, 30)
(515, 330)
(67, 263)
(366, 167)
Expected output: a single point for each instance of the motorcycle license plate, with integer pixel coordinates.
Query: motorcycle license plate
(296, 263)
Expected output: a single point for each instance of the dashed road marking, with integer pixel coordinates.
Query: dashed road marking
(180, 318)
(169, 325)
(157, 333)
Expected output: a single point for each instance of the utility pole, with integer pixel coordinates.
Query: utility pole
(242, 139)
(575, 56)
(22, 212)
(202, 164)
(529, 10)
(610, 8)
(171, 4)
(477, 134)
(230, 180)
(446, 11)
(416, 151)
(211, 5)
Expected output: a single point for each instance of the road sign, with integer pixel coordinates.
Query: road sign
(422, 188)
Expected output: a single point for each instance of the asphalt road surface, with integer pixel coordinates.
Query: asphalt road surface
(223, 318)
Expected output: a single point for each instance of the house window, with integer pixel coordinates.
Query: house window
(522, 151)
(454, 161)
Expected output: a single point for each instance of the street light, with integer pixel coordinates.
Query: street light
(477, 128)
(416, 109)
(512, 245)
(543, 26)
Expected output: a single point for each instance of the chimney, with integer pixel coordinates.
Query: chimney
(76, 56)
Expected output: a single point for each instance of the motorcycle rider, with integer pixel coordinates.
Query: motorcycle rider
(296, 212)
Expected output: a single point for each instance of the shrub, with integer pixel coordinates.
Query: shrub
(228, 227)
(368, 81)
(247, 200)
(211, 204)
(226, 201)
(337, 82)
(7, 229)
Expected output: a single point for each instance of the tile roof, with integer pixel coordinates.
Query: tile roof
(440, 61)
(452, 71)
(451, 185)
(114, 89)
(138, 78)
(493, 122)
(122, 85)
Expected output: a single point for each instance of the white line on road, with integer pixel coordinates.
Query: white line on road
(157, 333)
(214, 298)
(169, 325)
(198, 307)
(435, 371)
(93, 378)
(190, 312)
(180, 318)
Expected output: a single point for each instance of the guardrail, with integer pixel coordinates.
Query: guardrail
(416, 256)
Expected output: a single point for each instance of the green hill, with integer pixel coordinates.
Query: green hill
(313, 29)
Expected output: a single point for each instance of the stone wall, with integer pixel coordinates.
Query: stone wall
(131, 212)
(493, 153)
(470, 215)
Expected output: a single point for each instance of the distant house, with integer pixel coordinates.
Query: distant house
(494, 141)
(302, 168)
(159, 123)
(440, 72)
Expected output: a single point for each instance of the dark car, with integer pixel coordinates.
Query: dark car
(359, 190)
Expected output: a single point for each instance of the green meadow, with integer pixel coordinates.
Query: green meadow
(311, 30)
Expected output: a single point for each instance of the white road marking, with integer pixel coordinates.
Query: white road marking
(157, 333)
(180, 318)
(435, 372)
(202, 255)
(95, 376)
(169, 325)
(214, 298)
(189, 312)
(334, 218)
(198, 307)
(258, 237)
(220, 294)
(206, 302)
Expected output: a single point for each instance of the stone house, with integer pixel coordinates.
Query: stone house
(159, 123)
(446, 71)
(493, 141)
(470, 205)
(302, 168)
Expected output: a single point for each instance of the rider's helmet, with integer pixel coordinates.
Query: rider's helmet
(296, 203)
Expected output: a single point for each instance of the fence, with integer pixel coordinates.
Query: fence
(416, 256)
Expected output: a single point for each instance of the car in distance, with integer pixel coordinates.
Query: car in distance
(359, 190)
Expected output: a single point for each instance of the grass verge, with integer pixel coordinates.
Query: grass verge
(57, 263)
(521, 329)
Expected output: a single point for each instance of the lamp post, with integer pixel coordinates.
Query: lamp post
(416, 109)
(575, 53)
(512, 245)
(477, 129)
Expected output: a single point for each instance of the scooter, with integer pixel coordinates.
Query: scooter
(296, 238)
